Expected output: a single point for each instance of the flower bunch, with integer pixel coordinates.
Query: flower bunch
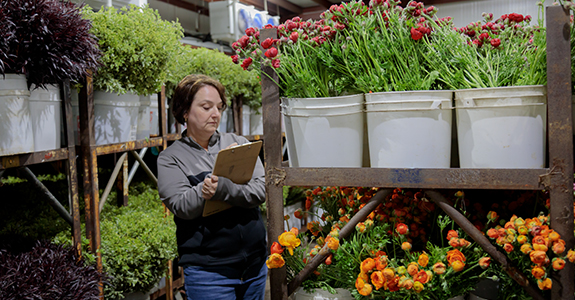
(529, 243)
(507, 51)
(438, 272)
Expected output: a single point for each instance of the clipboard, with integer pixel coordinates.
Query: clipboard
(237, 164)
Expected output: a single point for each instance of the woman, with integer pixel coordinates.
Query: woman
(223, 255)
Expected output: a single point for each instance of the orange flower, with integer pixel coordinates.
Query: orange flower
(423, 259)
(329, 259)
(365, 289)
(405, 283)
(508, 247)
(294, 230)
(484, 262)
(276, 248)
(406, 246)
(455, 255)
(332, 243)
(314, 227)
(439, 268)
(544, 284)
(558, 263)
(377, 279)
(421, 276)
(492, 233)
(402, 229)
(452, 234)
(558, 248)
(492, 216)
(522, 239)
(526, 248)
(363, 276)
(381, 262)
(275, 261)
(412, 268)
(537, 272)
(537, 257)
(458, 266)
(523, 230)
(360, 227)
(367, 265)
(388, 273)
(454, 242)
(554, 236)
(541, 240)
(418, 286)
(571, 255)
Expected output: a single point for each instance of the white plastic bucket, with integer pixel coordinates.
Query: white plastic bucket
(75, 115)
(256, 122)
(246, 111)
(115, 117)
(45, 112)
(409, 129)
(502, 127)
(324, 132)
(225, 121)
(16, 135)
(154, 116)
(319, 294)
(143, 118)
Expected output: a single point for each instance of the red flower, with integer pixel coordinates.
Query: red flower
(294, 36)
(276, 248)
(402, 228)
(495, 43)
(267, 43)
(235, 45)
(250, 31)
(235, 59)
(269, 26)
(243, 41)
(276, 63)
(339, 26)
(484, 36)
(271, 52)
(246, 63)
(416, 34)
(290, 25)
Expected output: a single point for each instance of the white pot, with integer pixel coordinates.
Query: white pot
(324, 132)
(144, 118)
(115, 117)
(409, 129)
(320, 294)
(45, 111)
(502, 127)
(16, 134)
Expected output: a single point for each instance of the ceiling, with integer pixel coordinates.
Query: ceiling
(284, 8)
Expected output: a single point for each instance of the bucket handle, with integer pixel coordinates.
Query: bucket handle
(14, 93)
(408, 109)
(285, 112)
(435, 103)
(324, 107)
(470, 101)
(500, 106)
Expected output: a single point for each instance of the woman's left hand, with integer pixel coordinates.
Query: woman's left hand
(210, 186)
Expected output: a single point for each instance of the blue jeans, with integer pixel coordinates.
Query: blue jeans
(225, 282)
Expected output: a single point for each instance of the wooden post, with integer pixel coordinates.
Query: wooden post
(561, 145)
(122, 184)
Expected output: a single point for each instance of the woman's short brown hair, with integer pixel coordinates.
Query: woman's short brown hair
(186, 91)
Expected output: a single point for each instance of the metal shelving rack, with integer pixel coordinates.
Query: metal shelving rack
(557, 178)
(67, 154)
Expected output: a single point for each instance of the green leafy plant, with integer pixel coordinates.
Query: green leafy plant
(219, 66)
(137, 47)
(136, 242)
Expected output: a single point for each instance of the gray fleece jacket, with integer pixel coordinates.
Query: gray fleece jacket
(236, 235)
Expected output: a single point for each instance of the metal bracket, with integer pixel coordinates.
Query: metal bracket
(545, 179)
(276, 175)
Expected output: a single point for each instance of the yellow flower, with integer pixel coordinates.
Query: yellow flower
(377, 279)
(332, 242)
(544, 284)
(289, 240)
(406, 246)
(458, 265)
(423, 260)
(418, 286)
(275, 261)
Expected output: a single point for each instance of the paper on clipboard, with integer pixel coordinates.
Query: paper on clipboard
(237, 164)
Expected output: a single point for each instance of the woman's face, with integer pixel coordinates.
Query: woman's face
(204, 115)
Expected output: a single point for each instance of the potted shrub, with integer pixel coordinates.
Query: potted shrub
(136, 243)
(242, 88)
(137, 47)
(44, 42)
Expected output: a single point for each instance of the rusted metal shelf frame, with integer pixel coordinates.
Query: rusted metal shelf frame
(90, 152)
(67, 154)
(558, 178)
